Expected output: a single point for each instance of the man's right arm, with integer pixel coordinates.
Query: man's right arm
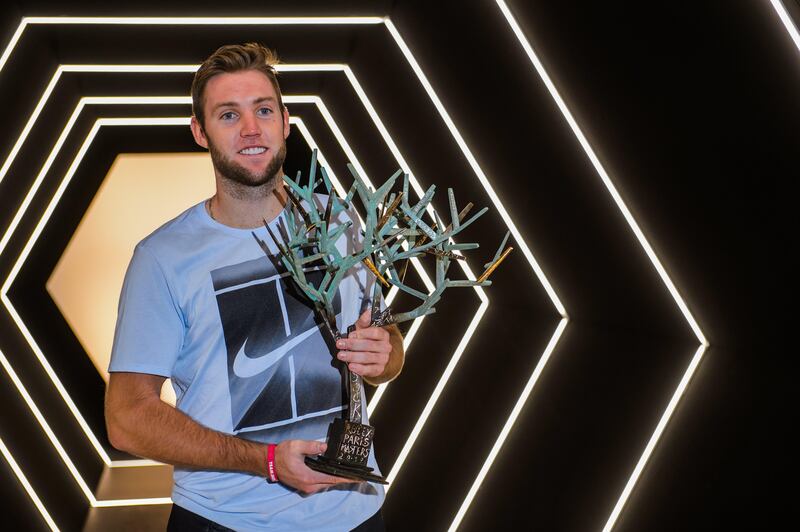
(140, 423)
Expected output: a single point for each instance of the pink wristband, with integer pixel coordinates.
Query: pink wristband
(272, 473)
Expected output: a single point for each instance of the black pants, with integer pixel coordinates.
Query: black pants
(182, 520)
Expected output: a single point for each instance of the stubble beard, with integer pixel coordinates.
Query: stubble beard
(243, 183)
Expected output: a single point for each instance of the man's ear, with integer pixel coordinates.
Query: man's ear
(285, 122)
(198, 133)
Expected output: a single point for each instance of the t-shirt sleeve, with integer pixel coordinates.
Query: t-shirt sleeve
(150, 326)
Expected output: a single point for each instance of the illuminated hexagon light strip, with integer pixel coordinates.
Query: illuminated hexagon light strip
(787, 21)
(13, 463)
(656, 264)
(512, 228)
(444, 115)
(155, 100)
(181, 21)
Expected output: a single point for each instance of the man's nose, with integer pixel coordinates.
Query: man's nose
(249, 126)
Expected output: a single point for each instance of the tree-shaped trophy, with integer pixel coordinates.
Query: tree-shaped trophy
(393, 232)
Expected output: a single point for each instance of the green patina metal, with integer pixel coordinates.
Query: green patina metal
(394, 232)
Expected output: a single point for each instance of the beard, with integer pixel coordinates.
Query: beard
(239, 175)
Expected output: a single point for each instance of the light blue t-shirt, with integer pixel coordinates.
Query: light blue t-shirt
(203, 305)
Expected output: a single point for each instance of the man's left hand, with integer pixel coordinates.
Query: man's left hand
(366, 350)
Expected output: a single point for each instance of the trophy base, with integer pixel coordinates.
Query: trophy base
(323, 464)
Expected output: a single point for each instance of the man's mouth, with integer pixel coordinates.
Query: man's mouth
(256, 150)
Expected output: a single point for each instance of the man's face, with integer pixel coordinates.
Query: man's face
(245, 128)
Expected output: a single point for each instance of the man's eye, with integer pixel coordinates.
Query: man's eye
(264, 111)
(228, 116)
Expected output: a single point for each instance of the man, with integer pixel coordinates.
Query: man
(201, 304)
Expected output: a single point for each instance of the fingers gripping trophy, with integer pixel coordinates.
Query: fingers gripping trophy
(393, 232)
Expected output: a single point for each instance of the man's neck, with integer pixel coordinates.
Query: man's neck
(247, 208)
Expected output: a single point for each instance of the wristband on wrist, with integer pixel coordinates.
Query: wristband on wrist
(272, 473)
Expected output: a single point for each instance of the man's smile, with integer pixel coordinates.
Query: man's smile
(253, 150)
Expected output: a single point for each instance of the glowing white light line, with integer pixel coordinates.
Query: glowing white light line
(15, 222)
(137, 100)
(512, 418)
(190, 69)
(37, 182)
(310, 67)
(506, 218)
(412, 178)
(788, 23)
(391, 295)
(45, 427)
(351, 156)
(602, 172)
(412, 331)
(313, 145)
(27, 485)
(135, 463)
(29, 125)
(340, 138)
(643, 242)
(415, 184)
(114, 503)
(373, 403)
(145, 121)
(387, 138)
(35, 115)
(216, 21)
(673, 403)
(476, 168)
(281, 67)
(29, 338)
(20, 324)
(32, 120)
(12, 44)
(181, 21)
(436, 393)
(128, 69)
(116, 68)
(6, 301)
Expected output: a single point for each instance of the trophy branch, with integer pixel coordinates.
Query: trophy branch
(394, 232)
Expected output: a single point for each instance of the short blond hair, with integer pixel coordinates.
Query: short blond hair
(233, 58)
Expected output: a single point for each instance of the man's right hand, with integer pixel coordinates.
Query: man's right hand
(292, 470)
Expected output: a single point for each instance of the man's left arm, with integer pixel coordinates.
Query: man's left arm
(375, 353)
